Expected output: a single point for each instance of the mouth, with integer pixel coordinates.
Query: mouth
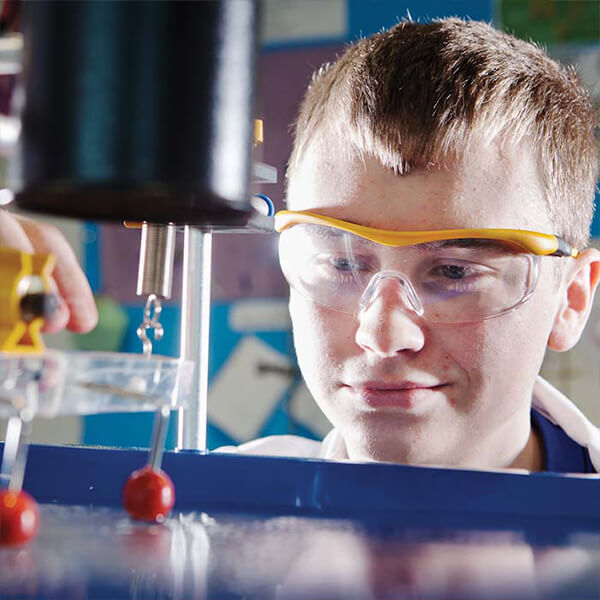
(405, 395)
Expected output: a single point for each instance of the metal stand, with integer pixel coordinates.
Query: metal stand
(195, 324)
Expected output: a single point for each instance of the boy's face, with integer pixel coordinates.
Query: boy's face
(475, 379)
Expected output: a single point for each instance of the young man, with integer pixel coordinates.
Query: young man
(440, 194)
(427, 351)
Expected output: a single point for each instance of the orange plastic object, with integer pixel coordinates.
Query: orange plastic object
(533, 241)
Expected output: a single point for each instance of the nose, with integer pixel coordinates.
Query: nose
(386, 321)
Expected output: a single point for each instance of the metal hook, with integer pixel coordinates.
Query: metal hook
(152, 311)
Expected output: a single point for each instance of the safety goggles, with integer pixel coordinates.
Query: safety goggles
(444, 276)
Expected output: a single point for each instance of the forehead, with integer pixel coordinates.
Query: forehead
(487, 188)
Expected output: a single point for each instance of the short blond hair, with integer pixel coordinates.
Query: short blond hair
(418, 94)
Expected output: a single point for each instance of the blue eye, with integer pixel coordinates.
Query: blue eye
(343, 264)
(453, 271)
(456, 277)
(355, 264)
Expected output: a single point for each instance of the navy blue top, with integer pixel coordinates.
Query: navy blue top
(561, 453)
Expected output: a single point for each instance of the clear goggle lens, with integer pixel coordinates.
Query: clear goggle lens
(446, 282)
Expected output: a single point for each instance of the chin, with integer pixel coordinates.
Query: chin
(396, 444)
(400, 456)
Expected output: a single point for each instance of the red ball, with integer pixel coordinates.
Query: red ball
(19, 517)
(149, 495)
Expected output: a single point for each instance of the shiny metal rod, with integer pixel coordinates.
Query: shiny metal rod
(159, 435)
(18, 468)
(16, 445)
(11, 449)
(195, 325)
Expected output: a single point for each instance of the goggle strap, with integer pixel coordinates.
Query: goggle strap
(542, 244)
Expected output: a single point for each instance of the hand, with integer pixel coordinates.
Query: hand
(76, 307)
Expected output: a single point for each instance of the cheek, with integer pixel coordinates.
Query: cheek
(464, 348)
(323, 338)
(503, 354)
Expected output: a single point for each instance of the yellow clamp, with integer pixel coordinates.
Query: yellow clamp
(19, 272)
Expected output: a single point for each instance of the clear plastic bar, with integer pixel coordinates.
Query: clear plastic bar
(80, 383)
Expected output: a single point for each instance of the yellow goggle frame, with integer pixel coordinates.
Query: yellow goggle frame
(542, 244)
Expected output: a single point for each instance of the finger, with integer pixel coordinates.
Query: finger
(12, 234)
(70, 279)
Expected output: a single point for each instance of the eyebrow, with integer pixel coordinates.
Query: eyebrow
(326, 231)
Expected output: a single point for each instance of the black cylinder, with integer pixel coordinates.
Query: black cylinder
(139, 110)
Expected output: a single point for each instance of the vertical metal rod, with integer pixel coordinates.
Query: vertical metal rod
(11, 448)
(18, 471)
(26, 415)
(16, 445)
(195, 323)
(159, 435)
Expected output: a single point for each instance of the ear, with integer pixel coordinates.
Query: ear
(577, 299)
